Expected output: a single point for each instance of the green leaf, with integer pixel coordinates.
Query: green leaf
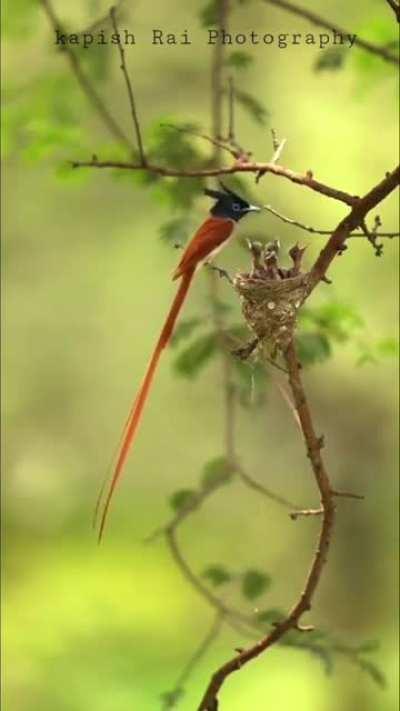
(184, 330)
(254, 584)
(217, 575)
(380, 30)
(179, 193)
(313, 348)
(253, 106)
(370, 645)
(373, 353)
(97, 59)
(183, 499)
(337, 320)
(18, 18)
(208, 15)
(388, 347)
(373, 671)
(217, 471)
(170, 699)
(331, 59)
(171, 145)
(195, 356)
(239, 59)
(176, 230)
(270, 616)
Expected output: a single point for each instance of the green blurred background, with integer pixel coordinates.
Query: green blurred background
(86, 286)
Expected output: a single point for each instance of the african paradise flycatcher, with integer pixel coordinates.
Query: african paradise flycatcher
(210, 237)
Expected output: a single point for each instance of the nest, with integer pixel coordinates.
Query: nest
(270, 306)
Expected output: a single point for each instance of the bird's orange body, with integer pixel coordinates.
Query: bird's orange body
(208, 239)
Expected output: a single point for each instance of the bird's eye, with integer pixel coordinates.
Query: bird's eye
(235, 206)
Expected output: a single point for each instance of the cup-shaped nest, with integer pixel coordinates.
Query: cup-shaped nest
(270, 307)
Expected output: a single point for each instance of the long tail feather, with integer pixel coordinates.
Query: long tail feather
(140, 401)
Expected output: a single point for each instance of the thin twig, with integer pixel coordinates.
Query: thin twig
(199, 653)
(256, 486)
(395, 7)
(348, 495)
(130, 92)
(214, 141)
(200, 587)
(278, 151)
(313, 230)
(100, 23)
(216, 77)
(315, 19)
(231, 114)
(84, 82)
(239, 167)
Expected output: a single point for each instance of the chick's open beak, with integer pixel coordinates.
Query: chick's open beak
(253, 208)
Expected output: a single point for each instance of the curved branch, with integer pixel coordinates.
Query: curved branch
(354, 219)
(315, 19)
(314, 231)
(239, 167)
(314, 445)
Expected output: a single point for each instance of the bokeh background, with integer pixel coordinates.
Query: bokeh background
(86, 287)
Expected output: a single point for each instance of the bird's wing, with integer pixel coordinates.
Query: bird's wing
(210, 235)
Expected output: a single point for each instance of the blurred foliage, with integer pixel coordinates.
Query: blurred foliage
(333, 59)
(254, 107)
(239, 59)
(47, 122)
(217, 575)
(254, 583)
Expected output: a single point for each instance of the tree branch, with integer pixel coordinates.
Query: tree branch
(313, 230)
(313, 445)
(216, 77)
(354, 219)
(395, 7)
(315, 19)
(240, 167)
(132, 102)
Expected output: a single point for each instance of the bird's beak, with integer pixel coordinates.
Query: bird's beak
(253, 208)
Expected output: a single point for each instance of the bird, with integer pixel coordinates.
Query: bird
(212, 235)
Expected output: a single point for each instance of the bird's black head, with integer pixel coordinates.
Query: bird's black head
(229, 205)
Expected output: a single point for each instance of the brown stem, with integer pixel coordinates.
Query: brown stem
(256, 486)
(217, 77)
(131, 96)
(313, 230)
(395, 7)
(353, 220)
(313, 445)
(239, 167)
(315, 19)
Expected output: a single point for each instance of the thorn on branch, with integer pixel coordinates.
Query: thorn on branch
(347, 494)
(294, 515)
(304, 628)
